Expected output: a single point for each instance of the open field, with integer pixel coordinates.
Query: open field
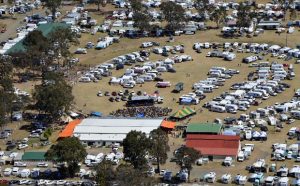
(85, 93)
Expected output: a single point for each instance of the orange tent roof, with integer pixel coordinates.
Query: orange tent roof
(68, 130)
(168, 124)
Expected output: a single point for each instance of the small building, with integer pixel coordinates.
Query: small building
(215, 147)
(269, 25)
(204, 128)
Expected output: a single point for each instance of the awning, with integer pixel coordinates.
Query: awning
(168, 124)
(68, 130)
(187, 111)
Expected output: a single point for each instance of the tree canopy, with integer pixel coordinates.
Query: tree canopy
(135, 148)
(105, 173)
(54, 95)
(141, 21)
(187, 157)
(127, 175)
(243, 15)
(7, 95)
(159, 146)
(218, 15)
(203, 7)
(53, 5)
(69, 150)
(173, 14)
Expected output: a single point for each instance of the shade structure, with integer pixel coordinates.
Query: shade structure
(183, 113)
(68, 130)
(168, 124)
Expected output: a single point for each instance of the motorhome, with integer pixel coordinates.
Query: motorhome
(216, 108)
(283, 181)
(295, 114)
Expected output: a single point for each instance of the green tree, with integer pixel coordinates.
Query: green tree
(36, 40)
(7, 96)
(203, 7)
(243, 15)
(218, 15)
(141, 21)
(159, 146)
(100, 2)
(60, 40)
(135, 148)
(37, 47)
(105, 173)
(127, 175)
(136, 5)
(69, 150)
(187, 157)
(173, 14)
(53, 6)
(293, 14)
(54, 95)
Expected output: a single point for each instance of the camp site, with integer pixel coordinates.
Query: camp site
(151, 92)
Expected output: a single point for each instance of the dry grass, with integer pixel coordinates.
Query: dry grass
(85, 93)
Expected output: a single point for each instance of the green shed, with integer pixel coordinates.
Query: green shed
(46, 29)
(204, 128)
(34, 156)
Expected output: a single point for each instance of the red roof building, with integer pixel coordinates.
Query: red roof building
(214, 146)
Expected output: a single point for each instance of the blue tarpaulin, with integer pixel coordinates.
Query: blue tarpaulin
(96, 114)
(140, 115)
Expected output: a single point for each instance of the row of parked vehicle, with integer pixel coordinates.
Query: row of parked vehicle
(47, 182)
(245, 94)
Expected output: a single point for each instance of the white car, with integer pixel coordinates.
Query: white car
(42, 164)
(20, 164)
(282, 56)
(34, 135)
(24, 182)
(81, 51)
(22, 146)
(61, 182)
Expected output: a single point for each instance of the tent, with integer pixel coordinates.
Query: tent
(183, 113)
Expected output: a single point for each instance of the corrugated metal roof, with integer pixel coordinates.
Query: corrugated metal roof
(204, 128)
(102, 122)
(214, 144)
(110, 130)
(102, 137)
(100, 129)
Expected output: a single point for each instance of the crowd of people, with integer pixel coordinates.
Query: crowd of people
(144, 112)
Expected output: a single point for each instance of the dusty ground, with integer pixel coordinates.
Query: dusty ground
(85, 93)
